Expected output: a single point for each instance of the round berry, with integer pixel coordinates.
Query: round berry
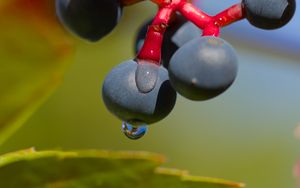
(203, 68)
(122, 97)
(168, 47)
(89, 19)
(269, 14)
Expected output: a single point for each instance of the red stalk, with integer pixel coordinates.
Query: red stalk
(211, 25)
(151, 49)
(195, 15)
(230, 15)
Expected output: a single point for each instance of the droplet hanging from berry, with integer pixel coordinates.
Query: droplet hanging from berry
(134, 132)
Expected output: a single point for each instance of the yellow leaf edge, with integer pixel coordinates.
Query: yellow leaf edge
(185, 176)
(32, 154)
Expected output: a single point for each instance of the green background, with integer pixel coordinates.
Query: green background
(246, 134)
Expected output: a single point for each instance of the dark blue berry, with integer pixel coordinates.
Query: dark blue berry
(89, 19)
(186, 33)
(122, 97)
(203, 68)
(269, 14)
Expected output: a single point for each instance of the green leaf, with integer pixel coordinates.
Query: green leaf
(58, 169)
(34, 54)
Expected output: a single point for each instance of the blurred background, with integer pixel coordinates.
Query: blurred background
(245, 135)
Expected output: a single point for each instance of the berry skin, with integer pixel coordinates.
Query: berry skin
(122, 97)
(186, 33)
(168, 47)
(89, 19)
(269, 14)
(203, 68)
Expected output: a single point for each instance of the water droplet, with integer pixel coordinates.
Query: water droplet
(134, 132)
(146, 76)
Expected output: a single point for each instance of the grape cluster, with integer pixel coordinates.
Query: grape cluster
(197, 63)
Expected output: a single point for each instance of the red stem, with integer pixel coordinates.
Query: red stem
(211, 29)
(151, 49)
(195, 15)
(230, 15)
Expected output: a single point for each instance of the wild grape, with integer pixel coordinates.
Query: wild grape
(89, 19)
(141, 91)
